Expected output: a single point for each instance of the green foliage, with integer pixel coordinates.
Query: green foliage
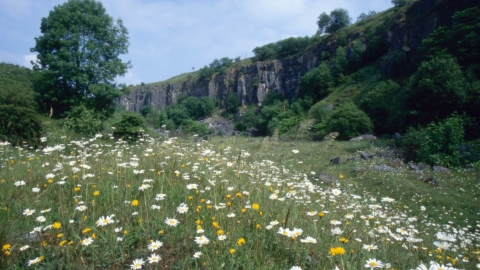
(216, 66)
(19, 120)
(19, 124)
(337, 20)
(436, 90)
(78, 57)
(130, 127)
(340, 62)
(349, 121)
(84, 121)
(316, 82)
(283, 48)
(379, 104)
(399, 3)
(193, 127)
(232, 103)
(438, 143)
(462, 40)
(364, 15)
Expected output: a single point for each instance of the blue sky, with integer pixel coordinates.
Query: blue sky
(168, 38)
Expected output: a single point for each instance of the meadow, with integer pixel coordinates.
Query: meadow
(229, 203)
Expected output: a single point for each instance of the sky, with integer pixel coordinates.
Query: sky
(170, 37)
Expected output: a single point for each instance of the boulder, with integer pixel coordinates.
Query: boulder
(357, 139)
(440, 169)
(383, 167)
(366, 156)
(326, 178)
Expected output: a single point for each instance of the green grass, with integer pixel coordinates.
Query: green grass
(109, 174)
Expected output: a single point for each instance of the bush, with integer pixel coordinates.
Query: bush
(18, 124)
(130, 127)
(437, 144)
(349, 121)
(84, 121)
(315, 83)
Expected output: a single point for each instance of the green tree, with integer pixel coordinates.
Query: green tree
(78, 57)
(435, 91)
(337, 20)
(323, 22)
(315, 83)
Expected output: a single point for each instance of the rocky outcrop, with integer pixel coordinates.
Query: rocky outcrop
(402, 38)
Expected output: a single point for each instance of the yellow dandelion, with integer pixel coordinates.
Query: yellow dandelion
(134, 202)
(96, 193)
(321, 214)
(6, 247)
(86, 230)
(232, 250)
(255, 206)
(240, 242)
(57, 225)
(220, 232)
(337, 251)
(62, 243)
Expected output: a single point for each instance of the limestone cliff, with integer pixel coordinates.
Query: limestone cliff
(401, 38)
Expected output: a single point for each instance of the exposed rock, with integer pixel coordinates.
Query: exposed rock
(366, 156)
(220, 126)
(413, 167)
(440, 169)
(351, 159)
(335, 161)
(432, 181)
(359, 169)
(383, 167)
(357, 139)
(326, 178)
(368, 137)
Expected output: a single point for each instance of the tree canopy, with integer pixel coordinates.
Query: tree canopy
(78, 57)
(337, 20)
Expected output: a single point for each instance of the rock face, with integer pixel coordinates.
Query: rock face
(402, 39)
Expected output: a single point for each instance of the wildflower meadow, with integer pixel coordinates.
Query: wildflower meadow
(227, 203)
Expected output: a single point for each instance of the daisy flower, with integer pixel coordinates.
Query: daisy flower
(137, 264)
(197, 254)
(154, 258)
(87, 241)
(309, 239)
(28, 212)
(182, 208)
(155, 245)
(373, 263)
(171, 222)
(369, 247)
(201, 240)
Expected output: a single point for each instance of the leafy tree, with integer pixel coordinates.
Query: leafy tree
(315, 83)
(323, 22)
(462, 40)
(378, 103)
(19, 120)
(349, 121)
(337, 20)
(232, 103)
(78, 57)
(435, 91)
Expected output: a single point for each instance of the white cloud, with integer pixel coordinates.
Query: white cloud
(129, 78)
(27, 58)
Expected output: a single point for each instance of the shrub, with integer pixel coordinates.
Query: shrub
(84, 121)
(130, 127)
(315, 83)
(349, 121)
(438, 143)
(19, 124)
